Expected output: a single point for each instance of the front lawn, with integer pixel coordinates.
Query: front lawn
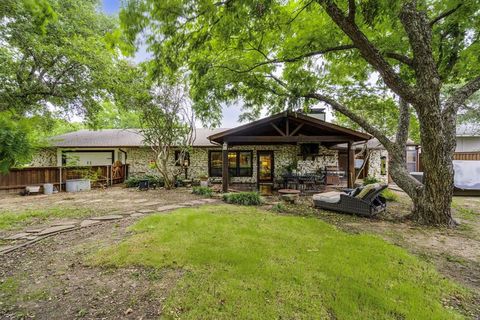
(242, 262)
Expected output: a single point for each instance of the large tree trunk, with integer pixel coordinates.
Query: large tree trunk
(432, 199)
(437, 131)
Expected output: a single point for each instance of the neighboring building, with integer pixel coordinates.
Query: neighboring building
(468, 138)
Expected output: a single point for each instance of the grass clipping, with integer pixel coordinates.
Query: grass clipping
(242, 262)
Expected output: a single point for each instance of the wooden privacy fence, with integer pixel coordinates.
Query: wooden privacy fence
(466, 156)
(469, 156)
(18, 178)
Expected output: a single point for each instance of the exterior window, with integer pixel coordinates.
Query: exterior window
(186, 160)
(245, 164)
(239, 164)
(411, 159)
(383, 166)
(232, 164)
(215, 164)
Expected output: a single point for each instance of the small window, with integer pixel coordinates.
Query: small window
(215, 164)
(239, 164)
(185, 160)
(232, 164)
(245, 164)
(383, 166)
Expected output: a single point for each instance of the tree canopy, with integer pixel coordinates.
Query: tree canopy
(371, 61)
(55, 55)
(272, 54)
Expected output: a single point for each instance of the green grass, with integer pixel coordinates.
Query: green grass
(13, 220)
(390, 195)
(245, 263)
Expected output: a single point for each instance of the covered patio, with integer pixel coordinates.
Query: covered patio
(307, 133)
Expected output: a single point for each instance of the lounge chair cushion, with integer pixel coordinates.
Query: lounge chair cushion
(330, 197)
(367, 189)
(355, 191)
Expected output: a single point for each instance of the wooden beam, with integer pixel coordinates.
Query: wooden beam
(287, 139)
(287, 127)
(297, 129)
(277, 128)
(350, 166)
(225, 167)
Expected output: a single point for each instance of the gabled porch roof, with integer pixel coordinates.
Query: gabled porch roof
(288, 128)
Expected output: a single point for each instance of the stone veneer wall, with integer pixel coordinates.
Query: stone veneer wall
(284, 155)
(326, 157)
(374, 165)
(45, 158)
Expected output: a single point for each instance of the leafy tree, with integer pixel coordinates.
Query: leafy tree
(284, 54)
(168, 124)
(15, 146)
(111, 116)
(166, 118)
(54, 54)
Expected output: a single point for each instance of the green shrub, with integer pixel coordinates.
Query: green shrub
(243, 198)
(390, 195)
(133, 182)
(203, 191)
(370, 180)
(279, 207)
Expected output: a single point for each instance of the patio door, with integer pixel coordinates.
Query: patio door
(265, 167)
(265, 172)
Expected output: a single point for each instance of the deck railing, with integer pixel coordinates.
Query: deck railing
(18, 178)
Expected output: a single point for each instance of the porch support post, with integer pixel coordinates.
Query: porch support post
(225, 167)
(351, 165)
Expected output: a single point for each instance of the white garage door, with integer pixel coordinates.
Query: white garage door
(100, 158)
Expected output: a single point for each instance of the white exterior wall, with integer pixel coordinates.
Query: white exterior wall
(468, 144)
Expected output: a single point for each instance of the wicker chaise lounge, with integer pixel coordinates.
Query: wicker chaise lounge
(363, 201)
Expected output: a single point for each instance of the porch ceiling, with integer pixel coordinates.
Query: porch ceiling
(289, 128)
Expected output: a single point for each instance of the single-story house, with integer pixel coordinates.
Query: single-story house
(255, 154)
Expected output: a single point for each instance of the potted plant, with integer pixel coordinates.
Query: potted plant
(203, 180)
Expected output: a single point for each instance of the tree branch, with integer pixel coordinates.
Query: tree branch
(293, 59)
(353, 116)
(369, 52)
(403, 125)
(419, 34)
(400, 57)
(461, 95)
(352, 8)
(444, 15)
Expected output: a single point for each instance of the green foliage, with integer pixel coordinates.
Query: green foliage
(381, 111)
(370, 180)
(390, 195)
(15, 146)
(279, 207)
(133, 182)
(243, 198)
(203, 191)
(266, 53)
(54, 53)
(111, 116)
(246, 263)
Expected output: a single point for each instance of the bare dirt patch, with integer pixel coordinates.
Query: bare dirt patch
(51, 280)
